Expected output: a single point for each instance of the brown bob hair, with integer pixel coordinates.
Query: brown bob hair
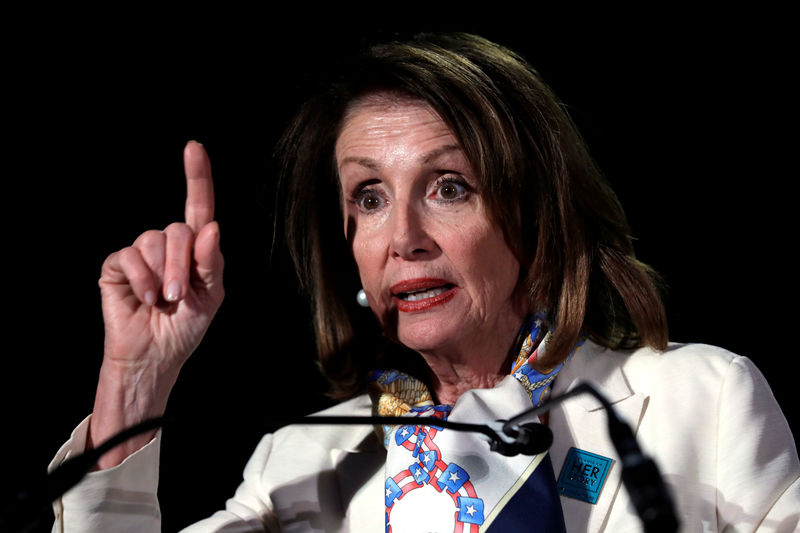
(556, 211)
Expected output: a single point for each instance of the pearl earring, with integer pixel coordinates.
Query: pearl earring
(361, 298)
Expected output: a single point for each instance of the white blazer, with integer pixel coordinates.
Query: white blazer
(707, 416)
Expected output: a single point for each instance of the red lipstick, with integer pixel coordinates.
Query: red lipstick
(443, 289)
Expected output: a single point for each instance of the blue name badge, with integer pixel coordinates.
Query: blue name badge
(583, 475)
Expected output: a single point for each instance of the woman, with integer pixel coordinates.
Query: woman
(497, 266)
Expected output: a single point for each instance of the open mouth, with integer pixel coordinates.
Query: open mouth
(422, 294)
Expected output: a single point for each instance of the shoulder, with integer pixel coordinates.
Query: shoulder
(689, 384)
(298, 451)
(682, 354)
(695, 381)
(296, 440)
(343, 437)
(679, 366)
(297, 473)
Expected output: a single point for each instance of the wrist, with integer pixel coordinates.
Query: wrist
(127, 393)
(138, 389)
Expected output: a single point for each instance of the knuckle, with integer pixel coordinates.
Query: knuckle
(150, 239)
(110, 259)
(122, 265)
(118, 258)
(178, 230)
(128, 256)
(109, 267)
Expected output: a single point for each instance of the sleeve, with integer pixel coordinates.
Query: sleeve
(758, 470)
(124, 498)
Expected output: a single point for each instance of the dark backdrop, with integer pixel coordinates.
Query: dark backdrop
(686, 115)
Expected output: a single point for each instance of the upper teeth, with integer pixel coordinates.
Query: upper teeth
(429, 293)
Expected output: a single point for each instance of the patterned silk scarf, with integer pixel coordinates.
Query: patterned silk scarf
(442, 481)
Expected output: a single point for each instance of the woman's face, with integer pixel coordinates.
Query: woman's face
(437, 272)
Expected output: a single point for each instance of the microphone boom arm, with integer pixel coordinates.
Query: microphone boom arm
(640, 475)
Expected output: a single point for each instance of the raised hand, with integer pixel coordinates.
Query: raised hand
(159, 296)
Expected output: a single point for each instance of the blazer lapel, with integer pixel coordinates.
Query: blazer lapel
(581, 423)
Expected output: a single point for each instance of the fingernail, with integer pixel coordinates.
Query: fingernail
(173, 291)
(150, 297)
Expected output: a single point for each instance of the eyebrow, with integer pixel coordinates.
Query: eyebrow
(433, 154)
(423, 159)
(363, 161)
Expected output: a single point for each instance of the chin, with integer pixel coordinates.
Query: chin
(423, 335)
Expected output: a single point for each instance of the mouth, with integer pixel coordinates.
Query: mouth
(421, 294)
(414, 296)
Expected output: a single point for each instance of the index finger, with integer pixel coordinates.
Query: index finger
(199, 186)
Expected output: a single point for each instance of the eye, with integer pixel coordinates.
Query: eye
(368, 200)
(450, 189)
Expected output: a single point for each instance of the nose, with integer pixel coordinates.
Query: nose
(410, 238)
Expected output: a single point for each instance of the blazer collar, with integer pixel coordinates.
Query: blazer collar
(602, 368)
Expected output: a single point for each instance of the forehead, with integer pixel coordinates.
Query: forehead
(391, 124)
(386, 102)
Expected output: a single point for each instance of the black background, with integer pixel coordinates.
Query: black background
(688, 115)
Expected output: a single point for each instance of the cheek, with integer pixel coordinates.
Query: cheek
(363, 245)
(369, 252)
(370, 268)
(366, 267)
(371, 273)
(489, 263)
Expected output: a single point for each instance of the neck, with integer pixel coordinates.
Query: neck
(449, 381)
(474, 366)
